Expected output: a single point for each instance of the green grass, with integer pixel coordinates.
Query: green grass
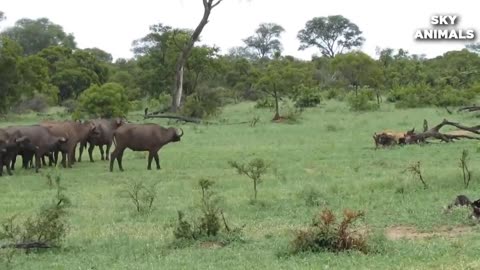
(330, 151)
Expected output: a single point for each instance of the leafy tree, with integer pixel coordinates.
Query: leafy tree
(358, 69)
(241, 52)
(36, 35)
(35, 79)
(240, 76)
(10, 53)
(265, 41)
(458, 69)
(2, 16)
(202, 63)
(156, 55)
(100, 55)
(72, 82)
(332, 35)
(279, 79)
(108, 100)
(73, 71)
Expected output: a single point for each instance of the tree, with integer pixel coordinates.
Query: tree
(36, 35)
(279, 79)
(108, 100)
(10, 53)
(2, 16)
(332, 35)
(358, 69)
(186, 50)
(100, 55)
(265, 41)
(242, 52)
(35, 79)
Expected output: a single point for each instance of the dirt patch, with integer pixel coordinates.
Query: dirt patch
(407, 232)
(212, 244)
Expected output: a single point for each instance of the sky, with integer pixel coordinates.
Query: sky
(113, 25)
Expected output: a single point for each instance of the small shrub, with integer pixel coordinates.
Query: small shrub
(70, 105)
(254, 170)
(141, 196)
(209, 225)
(416, 170)
(466, 173)
(331, 128)
(265, 103)
(306, 97)
(47, 229)
(324, 234)
(202, 105)
(292, 115)
(363, 101)
(312, 197)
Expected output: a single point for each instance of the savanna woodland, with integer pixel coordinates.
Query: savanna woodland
(260, 160)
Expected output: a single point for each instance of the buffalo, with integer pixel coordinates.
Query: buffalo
(142, 137)
(75, 132)
(36, 140)
(105, 129)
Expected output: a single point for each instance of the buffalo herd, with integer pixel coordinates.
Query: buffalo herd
(48, 139)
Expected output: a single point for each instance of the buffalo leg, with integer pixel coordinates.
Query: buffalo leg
(157, 160)
(44, 164)
(14, 159)
(107, 152)
(64, 158)
(90, 151)
(120, 159)
(73, 159)
(8, 167)
(150, 157)
(117, 154)
(1, 166)
(37, 161)
(80, 151)
(101, 152)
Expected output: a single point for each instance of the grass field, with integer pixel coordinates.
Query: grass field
(329, 154)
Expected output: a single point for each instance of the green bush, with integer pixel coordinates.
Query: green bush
(203, 104)
(363, 101)
(424, 96)
(307, 97)
(266, 102)
(108, 100)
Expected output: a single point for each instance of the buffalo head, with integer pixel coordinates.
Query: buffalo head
(177, 135)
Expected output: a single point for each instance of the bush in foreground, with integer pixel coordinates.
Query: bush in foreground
(325, 234)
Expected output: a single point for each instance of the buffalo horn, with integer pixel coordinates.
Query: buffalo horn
(180, 135)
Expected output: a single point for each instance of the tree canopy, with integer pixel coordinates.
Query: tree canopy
(332, 35)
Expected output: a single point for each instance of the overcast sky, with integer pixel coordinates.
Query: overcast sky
(113, 25)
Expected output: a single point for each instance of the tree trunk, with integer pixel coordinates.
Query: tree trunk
(179, 87)
(177, 90)
(277, 111)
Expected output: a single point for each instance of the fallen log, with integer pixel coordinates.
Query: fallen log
(445, 137)
(178, 117)
(28, 245)
(470, 108)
